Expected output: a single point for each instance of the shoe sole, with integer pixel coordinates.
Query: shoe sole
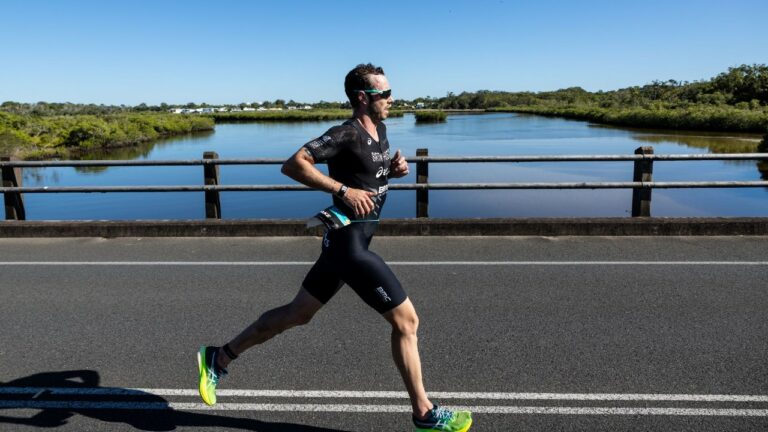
(201, 379)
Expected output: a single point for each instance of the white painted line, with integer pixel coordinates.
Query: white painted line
(395, 263)
(115, 391)
(75, 405)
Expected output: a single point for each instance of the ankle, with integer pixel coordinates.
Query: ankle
(422, 410)
(222, 359)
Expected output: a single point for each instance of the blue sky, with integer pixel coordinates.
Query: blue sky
(129, 52)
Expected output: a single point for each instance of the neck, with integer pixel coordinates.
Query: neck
(367, 122)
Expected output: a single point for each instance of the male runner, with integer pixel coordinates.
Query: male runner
(359, 163)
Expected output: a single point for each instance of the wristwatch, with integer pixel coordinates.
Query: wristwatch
(342, 191)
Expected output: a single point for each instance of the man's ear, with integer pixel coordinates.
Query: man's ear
(362, 98)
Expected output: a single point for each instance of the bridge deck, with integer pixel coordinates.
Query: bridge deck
(535, 333)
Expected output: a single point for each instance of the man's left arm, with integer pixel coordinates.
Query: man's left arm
(398, 166)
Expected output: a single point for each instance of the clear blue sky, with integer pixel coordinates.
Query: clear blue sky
(134, 51)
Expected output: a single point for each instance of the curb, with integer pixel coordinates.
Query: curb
(395, 227)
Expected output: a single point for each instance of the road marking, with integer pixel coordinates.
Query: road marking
(186, 406)
(396, 263)
(119, 391)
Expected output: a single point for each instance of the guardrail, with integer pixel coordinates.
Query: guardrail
(641, 185)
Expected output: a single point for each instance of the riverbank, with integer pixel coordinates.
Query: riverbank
(703, 118)
(286, 116)
(67, 137)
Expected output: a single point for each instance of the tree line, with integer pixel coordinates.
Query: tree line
(742, 87)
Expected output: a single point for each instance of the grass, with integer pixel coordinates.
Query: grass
(430, 116)
(286, 116)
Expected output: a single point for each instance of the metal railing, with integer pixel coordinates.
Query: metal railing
(641, 185)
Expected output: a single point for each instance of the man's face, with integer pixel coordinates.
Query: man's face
(378, 107)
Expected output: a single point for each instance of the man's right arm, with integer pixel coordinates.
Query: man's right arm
(301, 167)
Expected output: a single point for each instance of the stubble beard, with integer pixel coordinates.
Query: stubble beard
(376, 116)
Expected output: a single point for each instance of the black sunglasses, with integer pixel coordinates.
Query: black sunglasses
(385, 94)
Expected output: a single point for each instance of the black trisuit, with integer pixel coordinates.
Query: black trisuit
(358, 161)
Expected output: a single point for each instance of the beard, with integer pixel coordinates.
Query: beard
(375, 114)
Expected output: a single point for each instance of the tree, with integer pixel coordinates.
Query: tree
(745, 83)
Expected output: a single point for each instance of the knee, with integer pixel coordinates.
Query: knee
(301, 316)
(407, 324)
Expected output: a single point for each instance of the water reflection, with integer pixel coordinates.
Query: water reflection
(718, 143)
(139, 151)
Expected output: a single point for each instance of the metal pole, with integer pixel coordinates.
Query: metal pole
(14, 201)
(641, 196)
(422, 177)
(212, 201)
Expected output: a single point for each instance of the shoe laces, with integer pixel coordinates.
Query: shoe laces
(441, 413)
(215, 373)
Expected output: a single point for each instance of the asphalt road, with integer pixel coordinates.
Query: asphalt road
(535, 334)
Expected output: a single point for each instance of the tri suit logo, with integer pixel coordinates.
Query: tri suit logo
(382, 172)
(383, 295)
(369, 141)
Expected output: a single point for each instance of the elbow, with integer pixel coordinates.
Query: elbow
(291, 168)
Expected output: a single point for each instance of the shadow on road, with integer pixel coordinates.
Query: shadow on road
(162, 419)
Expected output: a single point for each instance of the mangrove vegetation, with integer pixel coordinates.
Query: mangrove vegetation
(68, 136)
(735, 100)
(430, 116)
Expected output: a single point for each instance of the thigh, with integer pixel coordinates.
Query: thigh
(374, 282)
(323, 281)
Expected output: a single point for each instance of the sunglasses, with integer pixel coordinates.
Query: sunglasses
(385, 94)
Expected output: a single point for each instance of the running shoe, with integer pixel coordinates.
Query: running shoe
(441, 419)
(210, 373)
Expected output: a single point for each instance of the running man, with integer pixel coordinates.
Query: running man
(359, 164)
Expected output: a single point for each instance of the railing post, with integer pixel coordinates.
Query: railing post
(14, 201)
(641, 196)
(212, 201)
(422, 177)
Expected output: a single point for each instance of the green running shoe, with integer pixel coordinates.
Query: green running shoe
(441, 419)
(210, 373)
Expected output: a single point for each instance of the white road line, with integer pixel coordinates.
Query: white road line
(395, 263)
(74, 405)
(114, 391)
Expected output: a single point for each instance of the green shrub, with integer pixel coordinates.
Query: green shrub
(37, 137)
(430, 116)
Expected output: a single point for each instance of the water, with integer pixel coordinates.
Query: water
(461, 135)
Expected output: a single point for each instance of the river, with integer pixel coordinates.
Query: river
(462, 135)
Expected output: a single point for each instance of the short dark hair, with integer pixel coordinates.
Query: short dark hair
(357, 79)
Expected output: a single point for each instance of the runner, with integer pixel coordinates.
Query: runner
(359, 164)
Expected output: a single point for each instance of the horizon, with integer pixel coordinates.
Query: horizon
(86, 52)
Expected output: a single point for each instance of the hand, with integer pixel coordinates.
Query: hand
(398, 166)
(359, 200)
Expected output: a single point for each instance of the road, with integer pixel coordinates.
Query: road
(533, 333)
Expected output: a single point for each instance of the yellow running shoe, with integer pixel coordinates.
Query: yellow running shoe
(210, 373)
(441, 419)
